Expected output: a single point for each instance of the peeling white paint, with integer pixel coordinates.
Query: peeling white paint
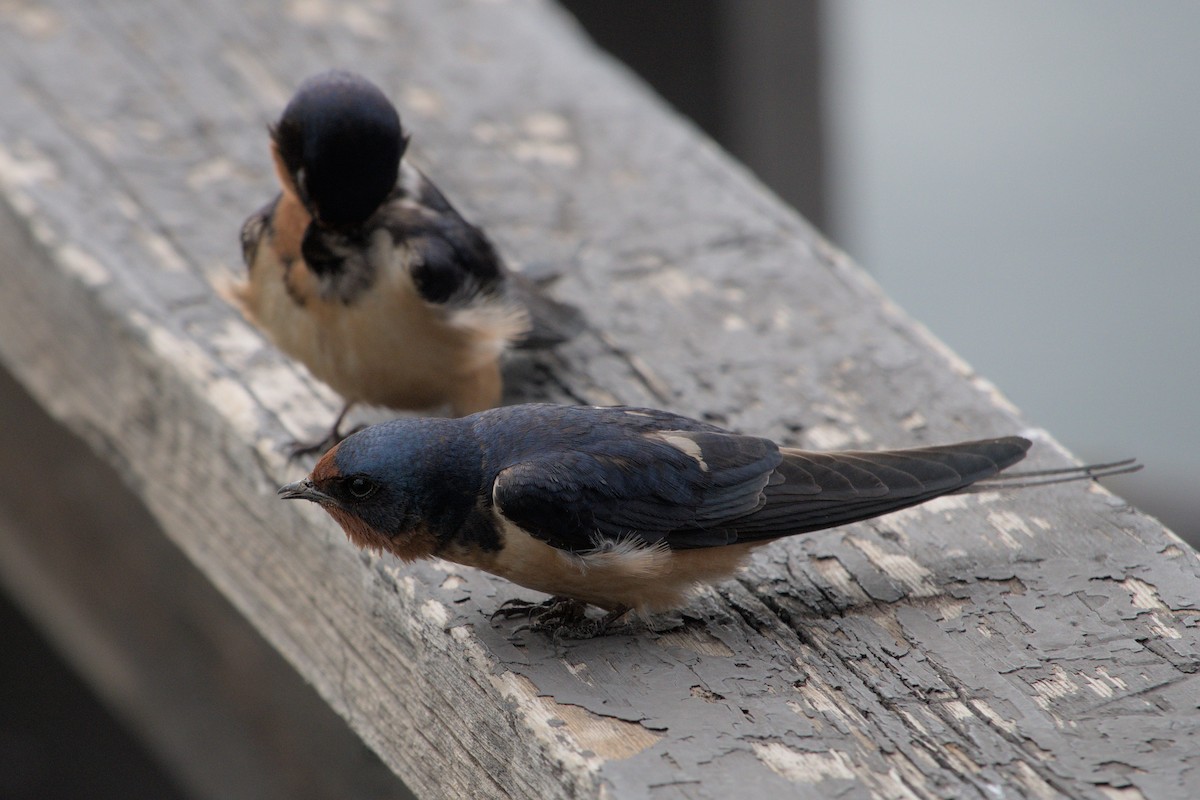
(1113, 679)
(914, 723)
(833, 436)
(821, 701)
(990, 714)
(238, 405)
(1162, 629)
(839, 578)
(1009, 524)
(596, 740)
(958, 709)
(578, 670)
(83, 266)
(1144, 595)
(164, 253)
(675, 285)
(899, 567)
(1122, 792)
(235, 343)
(435, 612)
(951, 608)
(1057, 686)
(556, 154)
(26, 166)
(946, 504)
(1101, 688)
(1035, 783)
(803, 767)
(547, 125)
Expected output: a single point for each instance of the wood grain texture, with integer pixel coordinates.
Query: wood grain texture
(1029, 645)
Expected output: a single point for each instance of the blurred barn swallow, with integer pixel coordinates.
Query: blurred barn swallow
(622, 508)
(362, 270)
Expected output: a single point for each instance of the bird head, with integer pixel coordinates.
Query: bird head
(380, 485)
(338, 147)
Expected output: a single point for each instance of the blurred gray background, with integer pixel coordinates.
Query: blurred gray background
(1023, 178)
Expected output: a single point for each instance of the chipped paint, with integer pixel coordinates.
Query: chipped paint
(596, 739)
(435, 612)
(697, 640)
(24, 166)
(1008, 524)
(83, 266)
(1055, 687)
(1144, 595)
(1036, 784)
(989, 713)
(803, 767)
(839, 578)
(899, 567)
(164, 253)
(675, 285)
(834, 436)
(958, 709)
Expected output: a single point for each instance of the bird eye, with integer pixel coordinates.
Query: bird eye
(361, 488)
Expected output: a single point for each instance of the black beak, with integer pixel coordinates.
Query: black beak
(303, 490)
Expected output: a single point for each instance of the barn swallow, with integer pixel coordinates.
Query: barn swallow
(362, 270)
(622, 508)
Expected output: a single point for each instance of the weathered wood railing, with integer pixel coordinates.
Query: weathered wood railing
(1029, 644)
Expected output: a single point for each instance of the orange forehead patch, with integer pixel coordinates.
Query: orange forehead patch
(326, 469)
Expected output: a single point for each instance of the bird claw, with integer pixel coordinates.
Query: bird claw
(561, 617)
(301, 449)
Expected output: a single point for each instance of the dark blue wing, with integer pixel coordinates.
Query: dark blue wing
(583, 479)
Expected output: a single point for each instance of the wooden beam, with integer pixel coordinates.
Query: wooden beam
(1038, 643)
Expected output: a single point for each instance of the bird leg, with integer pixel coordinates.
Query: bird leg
(325, 442)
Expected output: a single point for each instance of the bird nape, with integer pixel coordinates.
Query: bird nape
(623, 508)
(361, 269)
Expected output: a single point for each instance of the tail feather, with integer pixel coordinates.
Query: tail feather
(1047, 477)
(551, 322)
(811, 491)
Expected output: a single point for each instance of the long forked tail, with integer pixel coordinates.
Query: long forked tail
(1024, 479)
(810, 491)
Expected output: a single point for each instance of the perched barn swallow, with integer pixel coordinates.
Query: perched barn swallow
(622, 508)
(362, 270)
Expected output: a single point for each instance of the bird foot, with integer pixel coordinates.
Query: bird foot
(561, 617)
(334, 436)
